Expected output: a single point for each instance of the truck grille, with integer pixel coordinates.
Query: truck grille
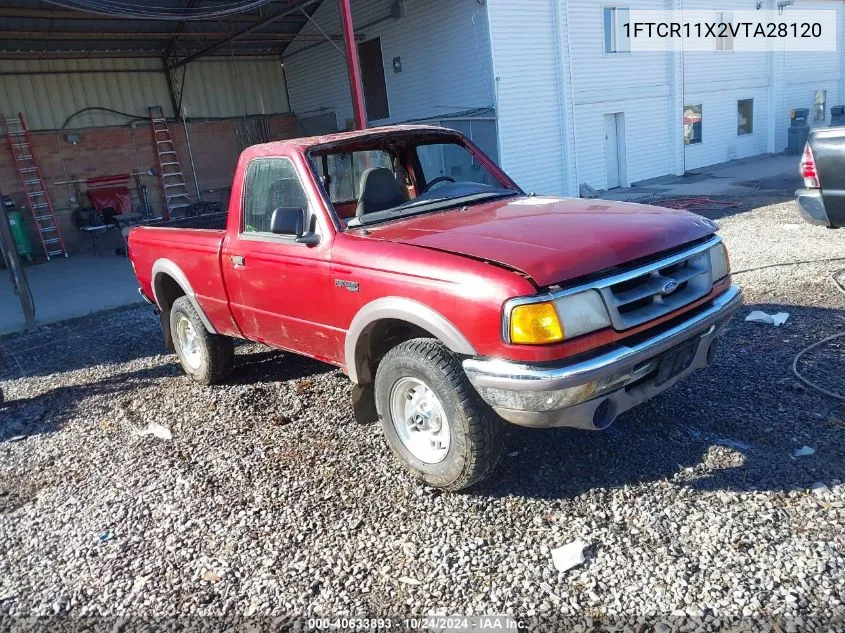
(648, 293)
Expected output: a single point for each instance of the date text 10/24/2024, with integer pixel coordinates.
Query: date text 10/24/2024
(462, 624)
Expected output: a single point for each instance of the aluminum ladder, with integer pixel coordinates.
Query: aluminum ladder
(34, 186)
(174, 190)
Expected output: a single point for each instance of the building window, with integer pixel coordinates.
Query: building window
(820, 105)
(692, 125)
(616, 38)
(372, 76)
(726, 43)
(745, 116)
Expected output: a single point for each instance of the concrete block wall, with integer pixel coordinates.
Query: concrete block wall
(105, 151)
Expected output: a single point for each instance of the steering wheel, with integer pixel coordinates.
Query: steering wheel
(436, 180)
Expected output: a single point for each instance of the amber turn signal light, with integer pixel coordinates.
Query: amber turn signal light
(535, 324)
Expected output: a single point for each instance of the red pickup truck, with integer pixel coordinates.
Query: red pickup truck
(452, 299)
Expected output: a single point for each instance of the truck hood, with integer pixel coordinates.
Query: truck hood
(551, 240)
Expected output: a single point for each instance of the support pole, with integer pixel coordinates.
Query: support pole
(353, 65)
(171, 89)
(20, 286)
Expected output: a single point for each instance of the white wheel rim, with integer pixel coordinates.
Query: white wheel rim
(420, 420)
(189, 342)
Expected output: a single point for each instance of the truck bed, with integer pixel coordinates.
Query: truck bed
(193, 245)
(216, 221)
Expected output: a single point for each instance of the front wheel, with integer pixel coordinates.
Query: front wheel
(207, 358)
(433, 419)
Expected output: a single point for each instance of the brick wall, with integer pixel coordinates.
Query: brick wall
(105, 151)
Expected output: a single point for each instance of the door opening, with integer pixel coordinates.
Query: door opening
(614, 149)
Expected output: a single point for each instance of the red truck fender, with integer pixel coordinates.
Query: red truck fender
(163, 268)
(400, 309)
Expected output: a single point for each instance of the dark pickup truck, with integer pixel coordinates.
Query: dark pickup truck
(822, 201)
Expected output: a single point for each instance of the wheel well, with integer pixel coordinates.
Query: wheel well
(167, 290)
(379, 338)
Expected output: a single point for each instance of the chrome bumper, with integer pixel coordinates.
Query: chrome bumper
(811, 204)
(590, 393)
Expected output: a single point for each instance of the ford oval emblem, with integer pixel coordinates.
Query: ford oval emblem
(669, 287)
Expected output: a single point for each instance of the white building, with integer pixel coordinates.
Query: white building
(548, 89)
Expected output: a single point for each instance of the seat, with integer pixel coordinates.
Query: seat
(379, 191)
(286, 192)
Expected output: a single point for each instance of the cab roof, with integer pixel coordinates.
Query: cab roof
(310, 142)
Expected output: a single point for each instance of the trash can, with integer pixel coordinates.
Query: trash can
(799, 131)
(22, 241)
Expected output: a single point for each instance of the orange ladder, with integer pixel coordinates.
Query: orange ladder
(34, 186)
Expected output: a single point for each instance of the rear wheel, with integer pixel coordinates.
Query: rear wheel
(433, 419)
(207, 358)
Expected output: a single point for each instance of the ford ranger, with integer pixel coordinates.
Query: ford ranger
(453, 300)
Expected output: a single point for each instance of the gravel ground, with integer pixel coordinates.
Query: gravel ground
(269, 500)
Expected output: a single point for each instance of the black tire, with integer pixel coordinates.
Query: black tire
(475, 431)
(215, 354)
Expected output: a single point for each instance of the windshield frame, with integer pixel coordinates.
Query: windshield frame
(406, 141)
(406, 211)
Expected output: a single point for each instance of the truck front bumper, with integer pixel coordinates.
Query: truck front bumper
(811, 204)
(589, 393)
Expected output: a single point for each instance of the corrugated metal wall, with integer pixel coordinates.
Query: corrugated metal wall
(808, 72)
(233, 87)
(636, 85)
(529, 104)
(444, 50)
(214, 88)
(47, 100)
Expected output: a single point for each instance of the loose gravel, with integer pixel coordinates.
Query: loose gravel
(269, 500)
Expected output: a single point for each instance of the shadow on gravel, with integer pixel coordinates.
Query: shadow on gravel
(46, 413)
(274, 366)
(759, 195)
(734, 426)
(117, 336)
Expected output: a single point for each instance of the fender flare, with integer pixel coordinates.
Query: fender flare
(165, 266)
(401, 309)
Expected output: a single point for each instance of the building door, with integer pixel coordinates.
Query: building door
(614, 149)
(372, 78)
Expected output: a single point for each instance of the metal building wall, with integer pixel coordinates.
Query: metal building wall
(529, 94)
(52, 90)
(47, 100)
(442, 47)
(233, 87)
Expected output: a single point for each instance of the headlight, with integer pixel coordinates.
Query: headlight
(720, 263)
(581, 313)
(553, 321)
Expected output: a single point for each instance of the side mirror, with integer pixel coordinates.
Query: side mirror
(288, 221)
